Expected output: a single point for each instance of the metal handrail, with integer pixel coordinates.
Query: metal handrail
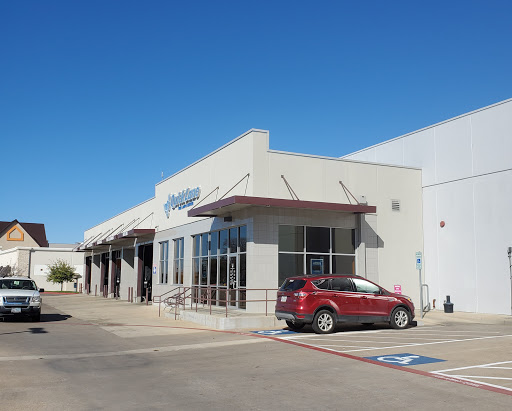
(159, 297)
(426, 308)
(203, 295)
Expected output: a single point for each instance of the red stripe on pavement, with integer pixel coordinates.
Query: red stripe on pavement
(323, 350)
(396, 367)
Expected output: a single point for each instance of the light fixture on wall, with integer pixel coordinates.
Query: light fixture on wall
(442, 224)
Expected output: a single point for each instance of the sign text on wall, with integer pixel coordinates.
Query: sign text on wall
(183, 199)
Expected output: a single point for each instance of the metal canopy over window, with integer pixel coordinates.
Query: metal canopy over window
(236, 203)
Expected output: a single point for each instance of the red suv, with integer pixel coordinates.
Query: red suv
(326, 300)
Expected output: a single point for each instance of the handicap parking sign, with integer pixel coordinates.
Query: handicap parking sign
(404, 359)
(275, 333)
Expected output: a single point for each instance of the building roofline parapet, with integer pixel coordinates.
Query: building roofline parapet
(213, 152)
(122, 212)
(429, 127)
(341, 159)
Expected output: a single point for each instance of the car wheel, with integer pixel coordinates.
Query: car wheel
(400, 318)
(294, 326)
(36, 318)
(324, 322)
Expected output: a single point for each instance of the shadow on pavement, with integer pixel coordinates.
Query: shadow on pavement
(45, 318)
(341, 328)
(35, 330)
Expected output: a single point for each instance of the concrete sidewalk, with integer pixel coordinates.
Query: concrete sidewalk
(105, 311)
(439, 317)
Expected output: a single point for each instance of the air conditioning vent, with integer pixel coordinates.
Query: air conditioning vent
(395, 205)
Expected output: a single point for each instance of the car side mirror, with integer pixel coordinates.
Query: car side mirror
(41, 290)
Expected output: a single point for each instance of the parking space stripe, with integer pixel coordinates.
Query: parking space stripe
(345, 346)
(482, 377)
(487, 387)
(496, 387)
(355, 341)
(410, 338)
(501, 368)
(435, 342)
(476, 366)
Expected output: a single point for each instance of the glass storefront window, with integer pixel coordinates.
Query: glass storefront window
(204, 244)
(291, 238)
(327, 251)
(243, 270)
(164, 262)
(196, 245)
(243, 239)
(214, 243)
(204, 271)
(343, 241)
(318, 239)
(213, 271)
(343, 264)
(223, 243)
(178, 261)
(195, 271)
(223, 271)
(233, 240)
(290, 265)
(219, 264)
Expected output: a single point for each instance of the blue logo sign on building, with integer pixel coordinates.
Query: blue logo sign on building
(183, 199)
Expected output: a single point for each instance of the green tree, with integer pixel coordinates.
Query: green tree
(61, 272)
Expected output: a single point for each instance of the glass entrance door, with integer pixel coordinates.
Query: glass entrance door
(233, 281)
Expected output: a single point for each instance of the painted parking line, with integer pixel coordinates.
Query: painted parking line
(482, 373)
(283, 339)
(461, 381)
(447, 341)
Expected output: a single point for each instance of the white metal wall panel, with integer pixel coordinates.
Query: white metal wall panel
(453, 150)
(467, 258)
(391, 153)
(419, 151)
(366, 155)
(456, 243)
(493, 234)
(430, 255)
(492, 139)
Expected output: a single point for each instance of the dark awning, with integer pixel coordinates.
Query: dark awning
(236, 203)
(136, 232)
(118, 238)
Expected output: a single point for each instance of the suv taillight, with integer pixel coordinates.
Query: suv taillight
(301, 295)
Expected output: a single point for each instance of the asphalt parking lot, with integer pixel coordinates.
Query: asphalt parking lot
(92, 353)
(479, 355)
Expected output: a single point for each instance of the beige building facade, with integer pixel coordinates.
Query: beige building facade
(231, 226)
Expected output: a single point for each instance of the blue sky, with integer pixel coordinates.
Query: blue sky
(97, 98)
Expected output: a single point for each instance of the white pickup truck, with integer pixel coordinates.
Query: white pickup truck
(19, 296)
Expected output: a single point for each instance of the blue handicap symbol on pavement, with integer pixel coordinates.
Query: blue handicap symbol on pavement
(273, 332)
(404, 359)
